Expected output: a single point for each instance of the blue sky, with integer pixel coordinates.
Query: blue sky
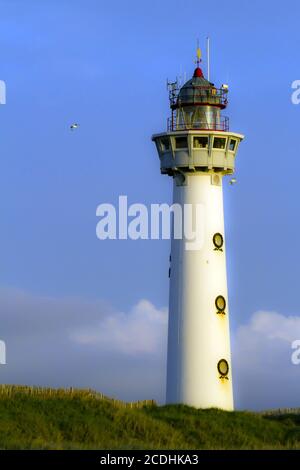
(105, 66)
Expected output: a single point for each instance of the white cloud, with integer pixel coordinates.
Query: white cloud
(264, 375)
(273, 325)
(63, 342)
(141, 330)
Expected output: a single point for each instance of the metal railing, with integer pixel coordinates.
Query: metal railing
(221, 125)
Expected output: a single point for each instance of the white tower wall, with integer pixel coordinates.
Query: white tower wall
(199, 336)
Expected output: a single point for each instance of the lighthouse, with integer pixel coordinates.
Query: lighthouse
(197, 150)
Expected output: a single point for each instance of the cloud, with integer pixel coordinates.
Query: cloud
(63, 342)
(141, 330)
(273, 326)
(264, 374)
(73, 342)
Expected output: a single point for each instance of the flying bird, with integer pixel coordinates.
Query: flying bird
(232, 181)
(74, 126)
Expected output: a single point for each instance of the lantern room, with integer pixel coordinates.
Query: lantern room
(197, 105)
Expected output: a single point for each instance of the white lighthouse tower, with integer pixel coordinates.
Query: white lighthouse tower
(197, 151)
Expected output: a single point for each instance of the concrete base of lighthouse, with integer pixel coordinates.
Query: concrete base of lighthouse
(198, 336)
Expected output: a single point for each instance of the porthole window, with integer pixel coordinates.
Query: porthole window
(220, 304)
(216, 180)
(223, 368)
(218, 241)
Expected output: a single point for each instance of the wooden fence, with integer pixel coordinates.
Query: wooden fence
(281, 411)
(46, 393)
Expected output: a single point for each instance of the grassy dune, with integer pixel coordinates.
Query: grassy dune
(72, 419)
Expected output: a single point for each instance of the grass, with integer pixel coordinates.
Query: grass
(72, 419)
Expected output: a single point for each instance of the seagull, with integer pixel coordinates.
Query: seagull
(232, 181)
(74, 126)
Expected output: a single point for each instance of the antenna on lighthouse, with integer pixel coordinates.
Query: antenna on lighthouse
(208, 57)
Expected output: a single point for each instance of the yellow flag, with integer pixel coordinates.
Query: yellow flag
(198, 52)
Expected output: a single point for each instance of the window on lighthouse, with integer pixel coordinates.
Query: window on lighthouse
(218, 241)
(219, 143)
(220, 303)
(223, 368)
(181, 142)
(200, 142)
(232, 144)
(165, 144)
